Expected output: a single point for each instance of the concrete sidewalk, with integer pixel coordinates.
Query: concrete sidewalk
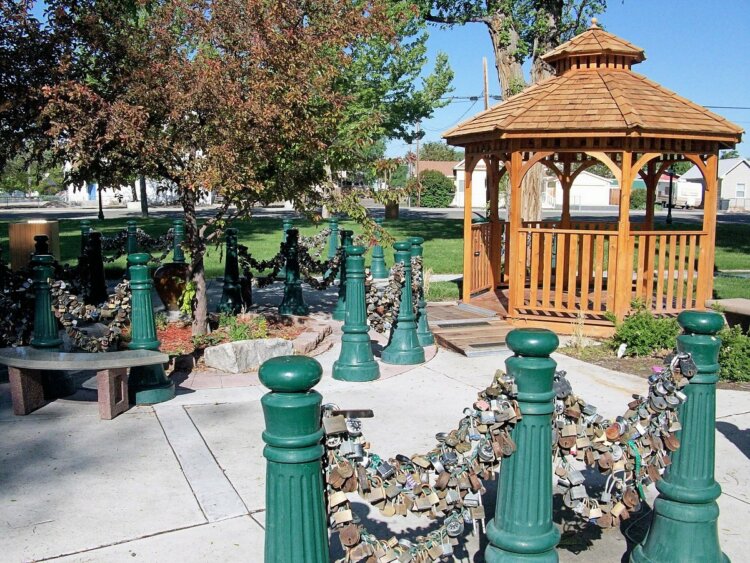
(184, 480)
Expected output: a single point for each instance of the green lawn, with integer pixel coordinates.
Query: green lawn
(442, 254)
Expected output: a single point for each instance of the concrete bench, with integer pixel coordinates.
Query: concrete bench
(736, 310)
(26, 366)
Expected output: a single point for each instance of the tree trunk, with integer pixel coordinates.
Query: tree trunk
(133, 192)
(197, 270)
(144, 196)
(505, 39)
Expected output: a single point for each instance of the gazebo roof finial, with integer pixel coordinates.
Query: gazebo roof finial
(594, 21)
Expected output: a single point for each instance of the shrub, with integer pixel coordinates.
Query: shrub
(638, 199)
(437, 190)
(734, 356)
(644, 334)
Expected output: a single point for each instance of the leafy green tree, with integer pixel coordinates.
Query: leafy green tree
(28, 61)
(27, 174)
(437, 190)
(520, 31)
(440, 151)
(732, 153)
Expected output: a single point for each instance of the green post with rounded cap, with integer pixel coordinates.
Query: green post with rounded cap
(356, 362)
(97, 283)
(132, 243)
(286, 224)
(403, 345)
(85, 230)
(231, 293)
(146, 384)
(333, 237)
(178, 228)
(296, 525)
(292, 303)
(423, 328)
(685, 518)
(45, 333)
(378, 268)
(522, 529)
(339, 311)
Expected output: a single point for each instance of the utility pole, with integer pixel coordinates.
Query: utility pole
(486, 85)
(419, 182)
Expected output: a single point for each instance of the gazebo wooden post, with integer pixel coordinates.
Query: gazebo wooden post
(469, 164)
(652, 181)
(566, 182)
(517, 281)
(705, 285)
(624, 280)
(493, 185)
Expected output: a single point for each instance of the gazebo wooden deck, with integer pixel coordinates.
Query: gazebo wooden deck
(594, 110)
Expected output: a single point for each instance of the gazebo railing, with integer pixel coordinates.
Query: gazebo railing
(566, 270)
(666, 266)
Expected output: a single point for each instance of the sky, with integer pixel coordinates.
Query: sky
(698, 49)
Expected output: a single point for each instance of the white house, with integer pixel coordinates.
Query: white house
(478, 185)
(87, 195)
(588, 189)
(734, 182)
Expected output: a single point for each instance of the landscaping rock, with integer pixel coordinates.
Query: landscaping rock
(309, 340)
(245, 355)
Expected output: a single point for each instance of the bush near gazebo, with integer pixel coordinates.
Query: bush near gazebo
(437, 189)
(638, 198)
(643, 333)
(734, 357)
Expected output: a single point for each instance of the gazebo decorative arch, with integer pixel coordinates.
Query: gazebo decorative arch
(595, 109)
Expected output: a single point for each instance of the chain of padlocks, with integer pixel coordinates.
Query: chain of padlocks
(384, 301)
(446, 482)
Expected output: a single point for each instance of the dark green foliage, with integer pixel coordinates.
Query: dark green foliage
(734, 356)
(638, 199)
(437, 189)
(644, 334)
(440, 151)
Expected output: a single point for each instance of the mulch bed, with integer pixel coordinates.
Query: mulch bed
(640, 366)
(177, 338)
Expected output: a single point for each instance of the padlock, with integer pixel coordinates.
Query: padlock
(334, 425)
(454, 526)
(687, 365)
(349, 535)
(472, 499)
(385, 470)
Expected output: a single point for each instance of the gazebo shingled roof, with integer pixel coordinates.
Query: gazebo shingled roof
(596, 94)
(594, 110)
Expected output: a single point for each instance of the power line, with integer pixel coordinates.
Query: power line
(726, 107)
(498, 97)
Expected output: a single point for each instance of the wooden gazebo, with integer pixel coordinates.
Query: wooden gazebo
(595, 109)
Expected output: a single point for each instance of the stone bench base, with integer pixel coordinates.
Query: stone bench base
(27, 391)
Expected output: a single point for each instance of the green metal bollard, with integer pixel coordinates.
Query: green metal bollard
(97, 283)
(132, 244)
(292, 302)
(423, 328)
(685, 520)
(356, 362)
(378, 268)
(333, 238)
(85, 230)
(231, 294)
(296, 526)
(146, 384)
(286, 224)
(41, 244)
(339, 311)
(403, 346)
(522, 529)
(45, 333)
(178, 256)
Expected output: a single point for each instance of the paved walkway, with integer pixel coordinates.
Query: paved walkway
(184, 481)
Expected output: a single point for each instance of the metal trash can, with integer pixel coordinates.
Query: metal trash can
(723, 204)
(21, 240)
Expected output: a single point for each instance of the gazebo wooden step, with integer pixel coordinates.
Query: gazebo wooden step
(475, 335)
